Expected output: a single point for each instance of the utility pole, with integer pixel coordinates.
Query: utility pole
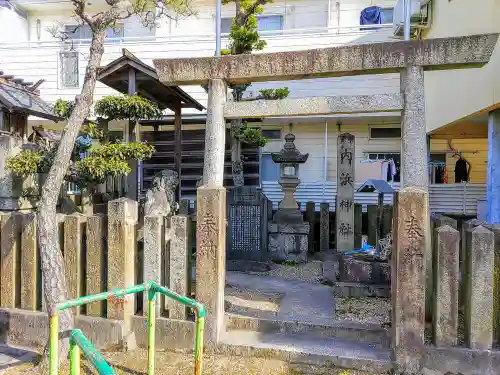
(218, 20)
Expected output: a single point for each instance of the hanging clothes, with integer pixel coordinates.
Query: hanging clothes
(385, 170)
(370, 16)
(439, 175)
(393, 169)
(461, 170)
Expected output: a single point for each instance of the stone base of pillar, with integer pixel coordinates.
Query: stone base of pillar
(211, 257)
(288, 242)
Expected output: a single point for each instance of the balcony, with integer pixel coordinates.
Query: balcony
(42, 60)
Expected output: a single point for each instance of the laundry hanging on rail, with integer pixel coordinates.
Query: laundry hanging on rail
(370, 16)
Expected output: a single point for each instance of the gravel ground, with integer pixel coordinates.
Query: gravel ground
(135, 363)
(310, 272)
(363, 309)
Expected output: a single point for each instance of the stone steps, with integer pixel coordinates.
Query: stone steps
(344, 330)
(294, 348)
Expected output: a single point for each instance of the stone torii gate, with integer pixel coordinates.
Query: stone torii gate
(410, 59)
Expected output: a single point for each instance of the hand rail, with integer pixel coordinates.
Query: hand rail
(78, 341)
(152, 289)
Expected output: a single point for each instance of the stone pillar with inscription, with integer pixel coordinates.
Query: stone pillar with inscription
(345, 192)
(408, 279)
(211, 216)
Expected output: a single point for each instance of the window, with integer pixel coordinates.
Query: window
(69, 69)
(382, 133)
(386, 15)
(264, 23)
(397, 161)
(84, 32)
(269, 23)
(271, 133)
(270, 171)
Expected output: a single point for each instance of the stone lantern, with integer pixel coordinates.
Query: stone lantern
(288, 233)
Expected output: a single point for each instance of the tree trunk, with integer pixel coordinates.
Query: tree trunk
(53, 273)
(236, 159)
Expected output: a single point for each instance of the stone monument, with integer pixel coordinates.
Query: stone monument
(288, 233)
(345, 192)
(160, 199)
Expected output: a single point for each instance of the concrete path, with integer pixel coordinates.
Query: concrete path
(304, 302)
(12, 356)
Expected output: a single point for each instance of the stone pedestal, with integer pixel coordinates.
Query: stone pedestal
(211, 257)
(288, 242)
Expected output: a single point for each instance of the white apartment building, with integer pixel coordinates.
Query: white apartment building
(29, 50)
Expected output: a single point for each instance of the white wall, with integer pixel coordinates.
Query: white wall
(194, 37)
(453, 94)
(310, 138)
(13, 27)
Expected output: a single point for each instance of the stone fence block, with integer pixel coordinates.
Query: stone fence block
(478, 279)
(180, 265)
(310, 217)
(154, 245)
(29, 263)
(122, 244)
(74, 238)
(9, 232)
(97, 236)
(324, 227)
(495, 228)
(372, 224)
(123, 208)
(446, 268)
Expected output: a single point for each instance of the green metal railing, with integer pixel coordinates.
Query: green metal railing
(79, 341)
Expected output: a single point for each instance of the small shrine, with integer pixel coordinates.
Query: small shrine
(288, 233)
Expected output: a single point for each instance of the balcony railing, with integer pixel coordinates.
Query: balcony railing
(36, 60)
(356, 30)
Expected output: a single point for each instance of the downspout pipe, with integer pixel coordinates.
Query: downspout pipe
(407, 19)
(218, 22)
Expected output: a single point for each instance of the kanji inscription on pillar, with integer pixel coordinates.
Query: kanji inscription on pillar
(345, 192)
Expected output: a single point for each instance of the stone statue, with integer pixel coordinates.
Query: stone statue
(160, 199)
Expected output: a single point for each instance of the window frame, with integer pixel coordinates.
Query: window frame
(387, 9)
(62, 81)
(261, 173)
(230, 19)
(384, 127)
(69, 34)
(280, 130)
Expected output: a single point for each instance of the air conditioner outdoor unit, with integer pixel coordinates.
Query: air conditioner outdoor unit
(418, 15)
